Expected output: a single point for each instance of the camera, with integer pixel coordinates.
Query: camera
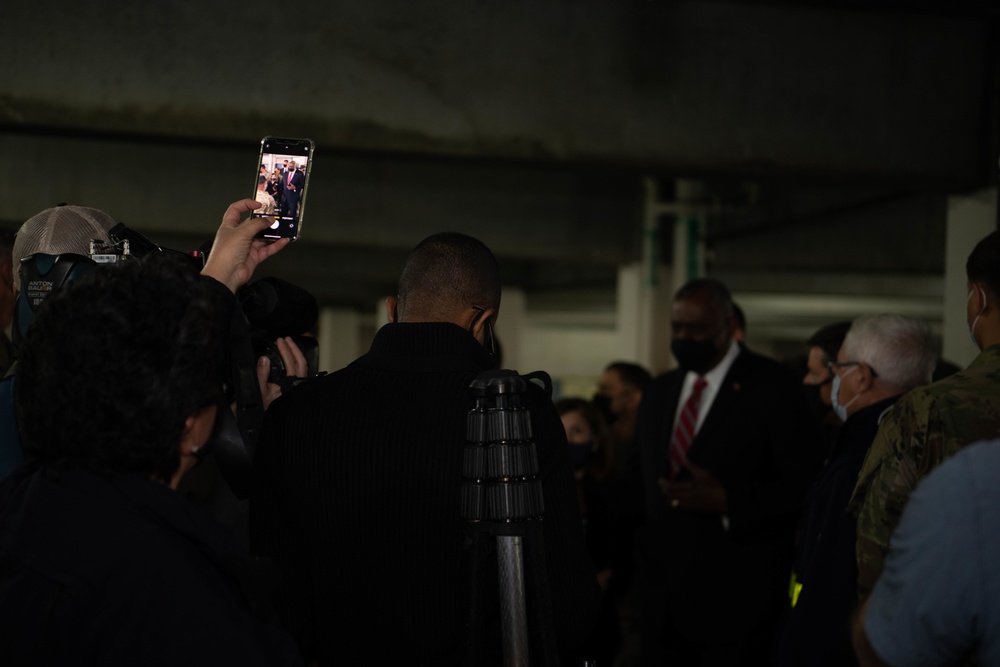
(264, 345)
(275, 308)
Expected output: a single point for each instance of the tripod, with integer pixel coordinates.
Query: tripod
(502, 499)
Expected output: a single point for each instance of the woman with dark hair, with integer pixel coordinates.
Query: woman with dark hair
(118, 387)
(274, 188)
(591, 453)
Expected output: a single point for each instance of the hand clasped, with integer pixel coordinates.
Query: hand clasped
(704, 493)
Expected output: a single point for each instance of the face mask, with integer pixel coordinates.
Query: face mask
(817, 407)
(841, 410)
(694, 355)
(603, 404)
(580, 455)
(972, 327)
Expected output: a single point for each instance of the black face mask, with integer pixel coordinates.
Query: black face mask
(694, 355)
(820, 410)
(603, 404)
(580, 455)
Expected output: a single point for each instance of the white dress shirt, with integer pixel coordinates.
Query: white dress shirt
(713, 380)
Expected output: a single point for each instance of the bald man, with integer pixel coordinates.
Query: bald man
(359, 476)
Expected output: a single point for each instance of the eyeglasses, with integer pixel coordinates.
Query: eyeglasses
(834, 365)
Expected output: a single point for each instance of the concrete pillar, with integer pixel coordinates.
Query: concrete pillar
(970, 218)
(510, 329)
(339, 338)
(689, 231)
(645, 289)
(381, 317)
(643, 316)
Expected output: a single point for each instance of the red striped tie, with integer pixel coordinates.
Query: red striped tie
(684, 433)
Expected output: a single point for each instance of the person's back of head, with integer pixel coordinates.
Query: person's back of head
(115, 364)
(982, 269)
(60, 229)
(983, 264)
(631, 375)
(446, 275)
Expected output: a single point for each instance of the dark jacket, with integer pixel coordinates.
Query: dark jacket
(121, 570)
(816, 630)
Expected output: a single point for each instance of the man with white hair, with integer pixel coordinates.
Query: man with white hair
(933, 423)
(910, 612)
(882, 357)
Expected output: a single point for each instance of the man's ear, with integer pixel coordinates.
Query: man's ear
(480, 323)
(634, 399)
(866, 377)
(390, 308)
(986, 302)
(732, 325)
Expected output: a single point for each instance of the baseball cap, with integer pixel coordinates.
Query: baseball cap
(60, 229)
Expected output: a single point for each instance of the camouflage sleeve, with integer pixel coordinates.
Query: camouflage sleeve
(889, 474)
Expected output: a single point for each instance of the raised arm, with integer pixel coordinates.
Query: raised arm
(235, 252)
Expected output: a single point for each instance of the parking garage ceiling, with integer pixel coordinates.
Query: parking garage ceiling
(827, 134)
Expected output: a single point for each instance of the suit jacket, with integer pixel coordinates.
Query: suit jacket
(759, 440)
(298, 180)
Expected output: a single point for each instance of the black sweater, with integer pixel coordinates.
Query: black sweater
(356, 498)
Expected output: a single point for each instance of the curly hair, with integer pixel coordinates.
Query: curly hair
(113, 365)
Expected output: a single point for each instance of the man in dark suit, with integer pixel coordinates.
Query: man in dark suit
(728, 451)
(293, 181)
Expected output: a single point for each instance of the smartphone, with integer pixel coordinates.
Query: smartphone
(281, 185)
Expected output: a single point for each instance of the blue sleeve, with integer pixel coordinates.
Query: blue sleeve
(924, 607)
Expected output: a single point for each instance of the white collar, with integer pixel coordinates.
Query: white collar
(717, 374)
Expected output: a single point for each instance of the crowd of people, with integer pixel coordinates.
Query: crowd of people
(727, 512)
(280, 191)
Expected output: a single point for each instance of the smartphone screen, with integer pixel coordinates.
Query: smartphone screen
(281, 184)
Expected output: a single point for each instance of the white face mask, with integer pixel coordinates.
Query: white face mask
(838, 409)
(972, 327)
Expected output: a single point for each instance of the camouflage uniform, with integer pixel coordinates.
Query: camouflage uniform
(927, 425)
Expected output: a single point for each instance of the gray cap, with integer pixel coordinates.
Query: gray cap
(59, 230)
